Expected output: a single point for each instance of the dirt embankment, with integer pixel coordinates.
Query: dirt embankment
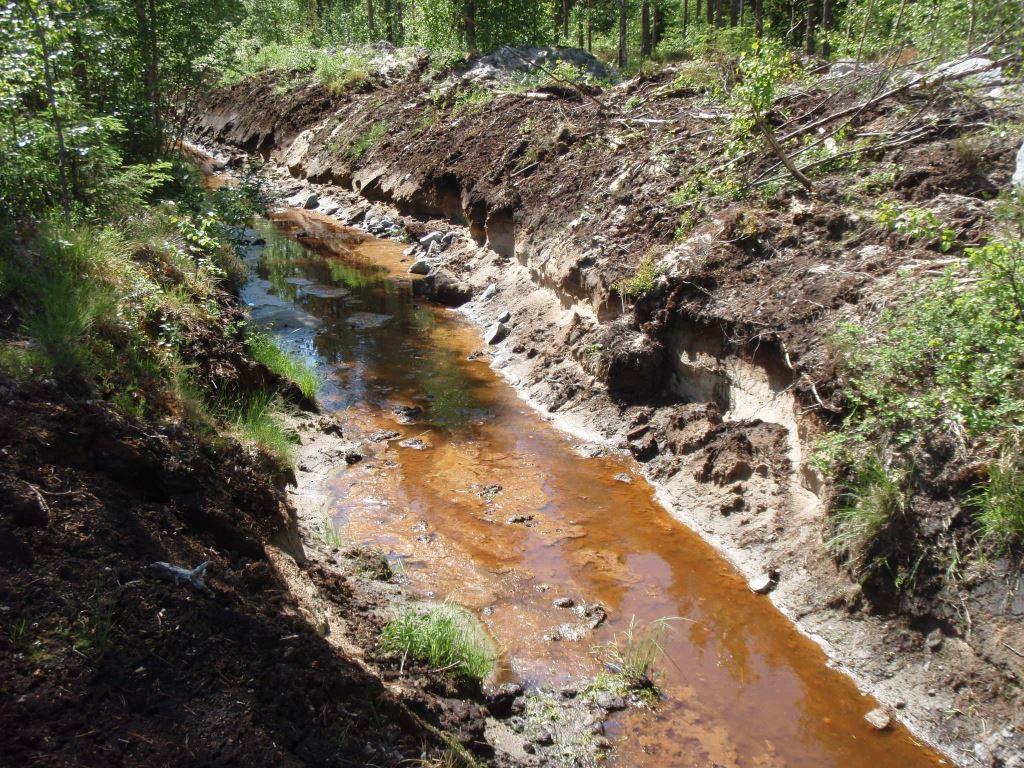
(107, 659)
(721, 376)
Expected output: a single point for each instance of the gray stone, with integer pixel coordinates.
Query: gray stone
(563, 602)
(763, 583)
(519, 519)
(953, 68)
(489, 293)
(878, 718)
(496, 333)
(420, 267)
(364, 320)
(414, 443)
(312, 201)
(623, 477)
(505, 316)
(933, 641)
(429, 239)
(609, 702)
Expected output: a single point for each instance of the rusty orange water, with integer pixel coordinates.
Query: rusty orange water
(741, 686)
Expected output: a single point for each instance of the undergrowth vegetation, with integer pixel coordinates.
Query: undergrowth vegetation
(938, 375)
(445, 637)
(116, 310)
(338, 70)
(285, 363)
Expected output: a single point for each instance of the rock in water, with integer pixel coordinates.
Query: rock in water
(364, 320)
(1018, 174)
(420, 267)
(496, 333)
(878, 718)
(763, 583)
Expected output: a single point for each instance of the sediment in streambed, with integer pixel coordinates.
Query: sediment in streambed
(720, 377)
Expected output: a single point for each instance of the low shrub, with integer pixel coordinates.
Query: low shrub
(945, 363)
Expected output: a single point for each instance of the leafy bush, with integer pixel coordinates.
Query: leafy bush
(945, 361)
(445, 637)
(915, 224)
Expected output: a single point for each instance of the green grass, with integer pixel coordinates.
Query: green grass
(288, 365)
(445, 636)
(630, 659)
(875, 497)
(367, 140)
(330, 534)
(643, 280)
(258, 423)
(65, 292)
(1000, 502)
(340, 71)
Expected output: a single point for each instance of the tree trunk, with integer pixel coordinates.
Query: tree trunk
(864, 32)
(759, 18)
(623, 56)
(51, 97)
(973, 24)
(686, 15)
(469, 24)
(734, 12)
(709, 11)
(145, 17)
(827, 23)
(369, 20)
(590, 26)
(719, 20)
(812, 21)
(645, 29)
(566, 8)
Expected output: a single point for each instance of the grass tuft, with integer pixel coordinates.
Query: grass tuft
(643, 280)
(285, 364)
(367, 140)
(876, 495)
(446, 637)
(258, 424)
(1000, 502)
(630, 658)
(330, 534)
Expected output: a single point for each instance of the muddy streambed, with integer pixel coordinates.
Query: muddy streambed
(492, 507)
